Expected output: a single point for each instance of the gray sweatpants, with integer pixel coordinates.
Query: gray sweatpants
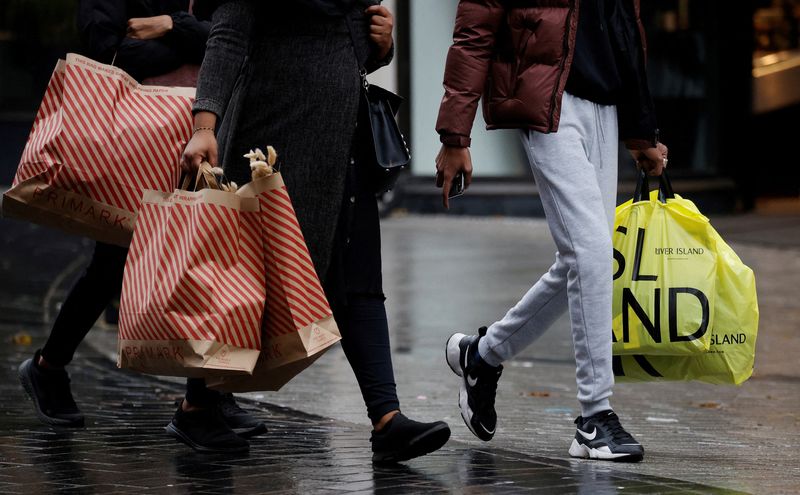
(576, 172)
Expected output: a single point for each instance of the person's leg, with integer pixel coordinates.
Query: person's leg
(599, 434)
(365, 341)
(577, 183)
(199, 396)
(87, 300)
(355, 290)
(576, 188)
(199, 423)
(43, 376)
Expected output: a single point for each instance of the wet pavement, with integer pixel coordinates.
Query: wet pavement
(441, 275)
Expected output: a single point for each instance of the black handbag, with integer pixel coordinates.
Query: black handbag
(387, 148)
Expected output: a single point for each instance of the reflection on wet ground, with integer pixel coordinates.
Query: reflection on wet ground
(123, 449)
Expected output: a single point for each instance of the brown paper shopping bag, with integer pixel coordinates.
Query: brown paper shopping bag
(298, 323)
(193, 292)
(98, 142)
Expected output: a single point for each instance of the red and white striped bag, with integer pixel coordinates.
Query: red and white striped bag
(98, 142)
(193, 292)
(298, 323)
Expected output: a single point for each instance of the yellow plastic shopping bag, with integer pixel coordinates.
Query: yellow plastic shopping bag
(664, 275)
(732, 334)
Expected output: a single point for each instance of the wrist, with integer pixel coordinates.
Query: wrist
(455, 140)
(203, 129)
(204, 119)
(167, 22)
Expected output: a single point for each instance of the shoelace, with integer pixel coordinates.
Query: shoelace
(615, 428)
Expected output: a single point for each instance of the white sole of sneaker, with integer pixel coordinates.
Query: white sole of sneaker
(585, 452)
(452, 353)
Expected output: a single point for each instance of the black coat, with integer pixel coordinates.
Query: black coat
(103, 23)
(276, 75)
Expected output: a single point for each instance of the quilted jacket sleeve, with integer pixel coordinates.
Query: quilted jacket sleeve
(477, 22)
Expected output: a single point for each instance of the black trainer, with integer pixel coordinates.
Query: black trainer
(602, 437)
(50, 392)
(402, 439)
(242, 422)
(478, 384)
(205, 430)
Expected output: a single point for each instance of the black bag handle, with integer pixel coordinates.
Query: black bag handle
(642, 192)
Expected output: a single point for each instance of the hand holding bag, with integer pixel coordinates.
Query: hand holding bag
(664, 275)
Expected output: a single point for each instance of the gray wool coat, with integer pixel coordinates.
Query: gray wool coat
(277, 75)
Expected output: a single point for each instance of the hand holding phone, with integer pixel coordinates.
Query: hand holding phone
(457, 186)
(454, 162)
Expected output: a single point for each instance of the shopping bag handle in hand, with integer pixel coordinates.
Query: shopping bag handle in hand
(204, 179)
(642, 192)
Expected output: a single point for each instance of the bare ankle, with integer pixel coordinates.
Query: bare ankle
(186, 407)
(384, 420)
(42, 363)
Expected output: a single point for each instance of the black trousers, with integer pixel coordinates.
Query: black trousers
(100, 283)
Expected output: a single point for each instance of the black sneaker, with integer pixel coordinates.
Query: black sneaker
(242, 422)
(602, 437)
(479, 384)
(402, 439)
(50, 392)
(205, 430)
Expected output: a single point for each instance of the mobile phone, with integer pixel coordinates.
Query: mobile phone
(457, 186)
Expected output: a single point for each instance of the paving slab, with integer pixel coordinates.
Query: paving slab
(441, 275)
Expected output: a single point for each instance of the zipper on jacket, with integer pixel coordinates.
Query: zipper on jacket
(562, 65)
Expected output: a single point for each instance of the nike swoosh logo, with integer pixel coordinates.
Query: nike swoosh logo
(588, 436)
(487, 430)
(471, 381)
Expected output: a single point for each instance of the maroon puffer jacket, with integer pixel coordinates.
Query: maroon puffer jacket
(517, 54)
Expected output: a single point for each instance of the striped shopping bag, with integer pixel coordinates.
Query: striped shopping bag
(193, 292)
(98, 142)
(298, 323)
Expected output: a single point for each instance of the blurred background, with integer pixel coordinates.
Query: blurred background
(726, 83)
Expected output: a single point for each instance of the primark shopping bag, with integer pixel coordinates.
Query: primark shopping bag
(732, 331)
(298, 323)
(99, 140)
(193, 291)
(664, 276)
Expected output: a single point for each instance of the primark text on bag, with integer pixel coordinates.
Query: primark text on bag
(99, 140)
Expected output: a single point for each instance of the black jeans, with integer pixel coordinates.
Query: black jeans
(354, 287)
(100, 283)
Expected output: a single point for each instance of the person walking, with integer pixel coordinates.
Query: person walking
(147, 39)
(287, 74)
(570, 75)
